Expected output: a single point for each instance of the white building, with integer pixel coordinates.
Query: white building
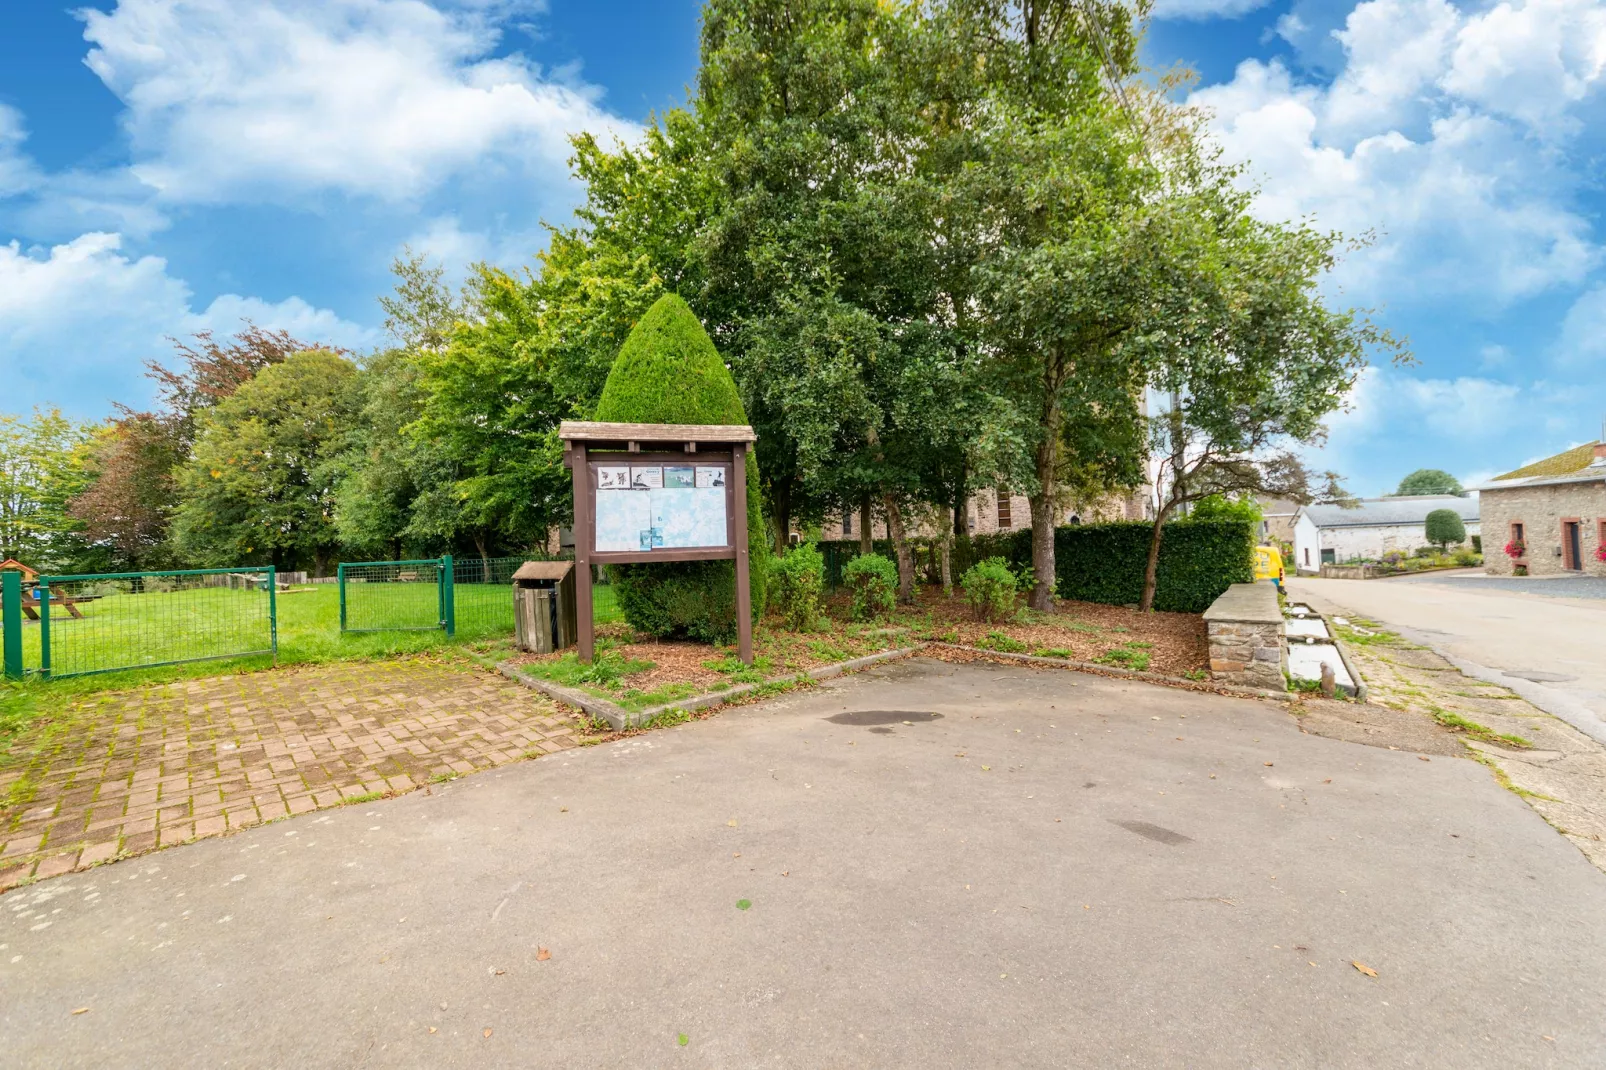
(1335, 535)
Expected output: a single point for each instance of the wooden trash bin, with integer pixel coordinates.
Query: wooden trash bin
(544, 606)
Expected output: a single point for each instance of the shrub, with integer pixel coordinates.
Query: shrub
(1444, 528)
(796, 581)
(1425, 551)
(668, 372)
(990, 589)
(1477, 544)
(874, 582)
(1199, 559)
(1466, 559)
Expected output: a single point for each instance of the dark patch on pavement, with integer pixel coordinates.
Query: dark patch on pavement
(1540, 677)
(1154, 832)
(864, 717)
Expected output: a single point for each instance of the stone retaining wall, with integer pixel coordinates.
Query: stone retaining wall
(1248, 644)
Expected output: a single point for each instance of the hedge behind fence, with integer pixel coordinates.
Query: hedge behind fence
(1199, 559)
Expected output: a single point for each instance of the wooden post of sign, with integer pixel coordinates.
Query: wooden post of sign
(744, 596)
(578, 459)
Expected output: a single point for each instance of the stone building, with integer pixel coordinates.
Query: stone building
(1334, 535)
(1554, 510)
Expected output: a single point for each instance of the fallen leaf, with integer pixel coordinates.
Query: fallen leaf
(1268, 763)
(684, 1040)
(542, 954)
(563, 809)
(1423, 758)
(743, 904)
(987, 768)
(432, 1029)
(1329, 780)
(487, 1032)
(731, 822)
(500, 972)
(81, 1010)
(1367, 970)
(1312, 963)
(736, 854)
(786, 873)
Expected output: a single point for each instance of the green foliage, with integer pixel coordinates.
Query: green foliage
(42, 468)
(874, 582)
(1243, 508)
(1000, 641)
(1444, 528)
(669, 372)
(1199, 559)
(990, 589)
(1429, 481)
(797, 579)
(1126, 657)
(260, 484)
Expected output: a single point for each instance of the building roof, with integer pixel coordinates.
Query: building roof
(11, 564)
(1385, 512)
(1577, 465)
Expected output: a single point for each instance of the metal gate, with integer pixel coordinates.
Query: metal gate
(386, 596)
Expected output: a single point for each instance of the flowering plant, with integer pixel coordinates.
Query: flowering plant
(1515, 548)
(1600, 552)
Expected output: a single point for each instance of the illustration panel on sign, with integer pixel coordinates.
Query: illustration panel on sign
(677, 477)
(649, 478)
(613, 477)
(710, 476)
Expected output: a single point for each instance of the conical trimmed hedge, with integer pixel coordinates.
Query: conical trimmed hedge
(668, 372)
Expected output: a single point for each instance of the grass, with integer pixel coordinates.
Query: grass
(1472, 729)
(1127, 658)
(146, 629)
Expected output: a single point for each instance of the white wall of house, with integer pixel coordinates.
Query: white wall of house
(1370, 542)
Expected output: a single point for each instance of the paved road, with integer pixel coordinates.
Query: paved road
(1043, 875)
(1549, 648)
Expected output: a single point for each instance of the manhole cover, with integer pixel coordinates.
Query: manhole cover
(864, 717)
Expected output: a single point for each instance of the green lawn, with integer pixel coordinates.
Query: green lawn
(126, 630)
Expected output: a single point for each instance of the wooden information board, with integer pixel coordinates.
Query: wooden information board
(658, 492)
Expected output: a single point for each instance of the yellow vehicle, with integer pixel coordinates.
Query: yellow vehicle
(1269, 565)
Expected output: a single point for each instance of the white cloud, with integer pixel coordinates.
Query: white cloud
(1205, 9)
(78, 320)
(1470, 193)
(17, 171)
(278, 98)
(1583, 331)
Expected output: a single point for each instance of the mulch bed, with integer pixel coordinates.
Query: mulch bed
(1171, 644)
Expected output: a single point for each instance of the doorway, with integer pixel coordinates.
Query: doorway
(1572, 547)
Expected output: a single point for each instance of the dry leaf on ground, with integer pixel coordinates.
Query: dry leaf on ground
(1367, 970)
(542, 954)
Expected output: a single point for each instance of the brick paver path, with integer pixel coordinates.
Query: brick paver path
(124, 772)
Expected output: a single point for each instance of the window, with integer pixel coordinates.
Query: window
(1003, 509)
(1307, 555)
(1516, 532)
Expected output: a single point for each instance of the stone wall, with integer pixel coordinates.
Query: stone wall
(1248, 644)
(1540, 511)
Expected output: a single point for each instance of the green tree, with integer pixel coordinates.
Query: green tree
(1444, 528)
(1429, 481)
(42, 469)
(669, 372)
(261, 481)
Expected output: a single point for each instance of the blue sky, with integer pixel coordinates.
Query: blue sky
(168, 166)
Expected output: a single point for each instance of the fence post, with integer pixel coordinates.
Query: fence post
(11, 606)
(273, 611)
(340, 581)
(448, 597)
(42, 592)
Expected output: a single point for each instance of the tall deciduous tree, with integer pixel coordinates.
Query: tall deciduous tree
(1429, 481)
(41, 471)
(132, 488)
(261, 482)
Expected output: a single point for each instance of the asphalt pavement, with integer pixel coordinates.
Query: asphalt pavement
(1543, 638)
(925, 865)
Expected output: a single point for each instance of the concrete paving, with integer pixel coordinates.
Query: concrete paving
(1547, 649)
(924, 865)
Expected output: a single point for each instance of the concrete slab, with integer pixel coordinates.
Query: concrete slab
(1059, 870)
(1307, 627)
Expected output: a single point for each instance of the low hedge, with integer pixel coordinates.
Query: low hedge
(1199, 559)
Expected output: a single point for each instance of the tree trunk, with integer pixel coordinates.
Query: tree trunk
(962, 506)
(947, 547)
(1151, 570)
(781, 513)
(1043, 511)
(485, 558)
(900, 547)
(866, 543)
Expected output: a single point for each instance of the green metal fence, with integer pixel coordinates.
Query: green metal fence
(387, 596)
(463, 596)
(104, 622)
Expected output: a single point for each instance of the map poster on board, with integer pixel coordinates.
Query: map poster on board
(660, 507)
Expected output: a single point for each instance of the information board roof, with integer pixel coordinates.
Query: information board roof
(591, 431)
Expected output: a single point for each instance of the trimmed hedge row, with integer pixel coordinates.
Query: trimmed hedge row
(1199, 559)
